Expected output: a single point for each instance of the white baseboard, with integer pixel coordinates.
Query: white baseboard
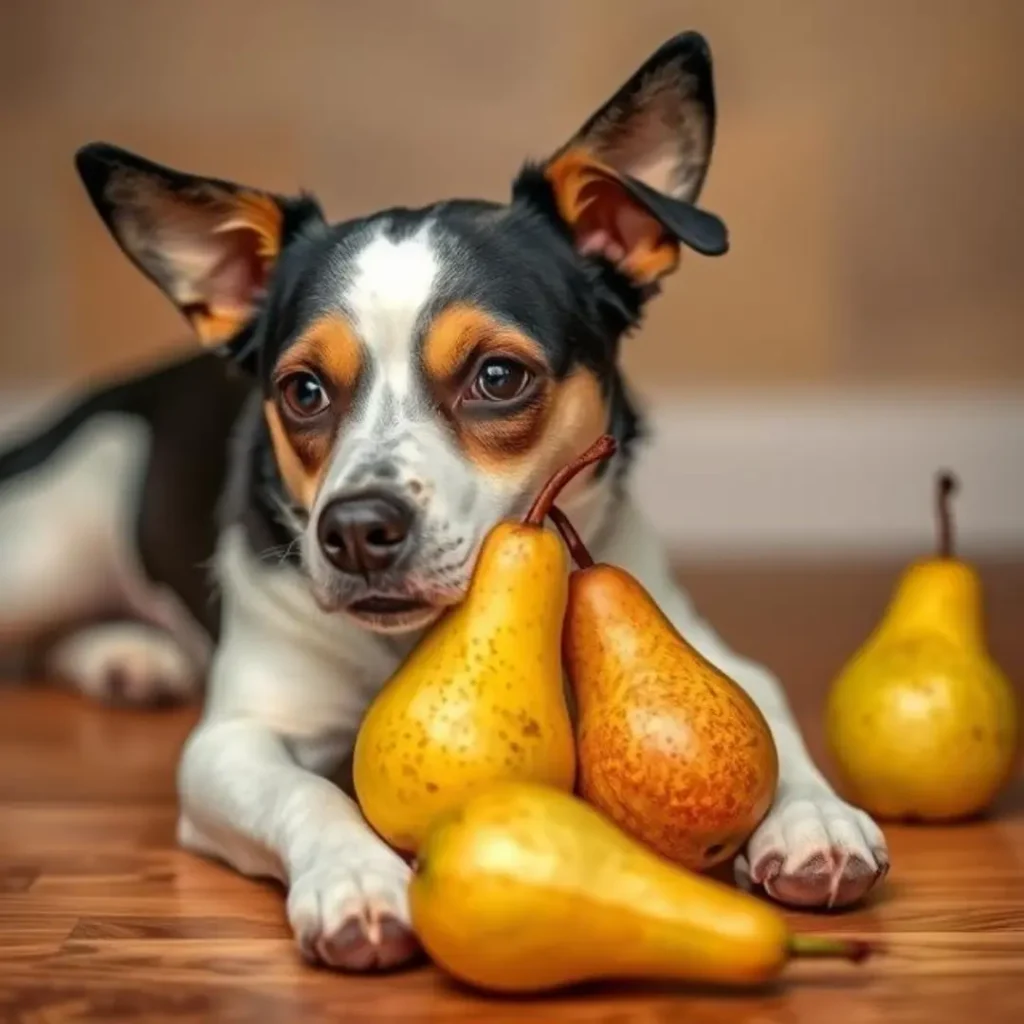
(808, 474)
(22, 410)
(848, 474)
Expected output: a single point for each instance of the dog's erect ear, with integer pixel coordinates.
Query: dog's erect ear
(208, 244)
(659, 127)
(626, 182)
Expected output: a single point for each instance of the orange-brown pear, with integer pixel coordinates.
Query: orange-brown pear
(668, 746)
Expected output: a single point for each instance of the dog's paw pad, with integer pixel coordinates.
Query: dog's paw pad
(354, 919)
(815, 851)
(370, 941)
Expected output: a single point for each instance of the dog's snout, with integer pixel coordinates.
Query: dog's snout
(366, 532)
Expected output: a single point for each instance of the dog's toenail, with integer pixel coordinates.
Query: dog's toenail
(349, 947)
(768, 868)
(117, 684)
(817, 864)
(163, 695)
(353, 931)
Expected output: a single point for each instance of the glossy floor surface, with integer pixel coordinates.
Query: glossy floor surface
(102, 919)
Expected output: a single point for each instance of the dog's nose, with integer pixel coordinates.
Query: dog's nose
(363, 533)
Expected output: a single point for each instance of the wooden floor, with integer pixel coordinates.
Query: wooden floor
(102, 919)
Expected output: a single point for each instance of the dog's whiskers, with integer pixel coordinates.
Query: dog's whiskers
(290, 517)
(281, 552)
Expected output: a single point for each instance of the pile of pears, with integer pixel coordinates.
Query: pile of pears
(546, 855)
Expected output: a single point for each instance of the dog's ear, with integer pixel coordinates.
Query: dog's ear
(209, 245)
(625, 184)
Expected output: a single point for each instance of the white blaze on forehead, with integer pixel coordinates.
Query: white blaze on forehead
(391, 284)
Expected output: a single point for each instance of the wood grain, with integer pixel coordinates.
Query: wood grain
(102, 919)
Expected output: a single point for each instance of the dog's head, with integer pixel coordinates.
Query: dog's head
(424, 371)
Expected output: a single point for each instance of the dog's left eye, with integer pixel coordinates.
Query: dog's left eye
(499, 380)
(304, 395)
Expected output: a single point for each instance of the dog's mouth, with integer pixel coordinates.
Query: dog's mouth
(378, 604)
(393, 613)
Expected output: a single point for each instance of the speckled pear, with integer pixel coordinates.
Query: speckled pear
(526, 889)
(921, 722)
(669, 747)
(481, 698)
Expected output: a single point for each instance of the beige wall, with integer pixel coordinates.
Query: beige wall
(870, 161)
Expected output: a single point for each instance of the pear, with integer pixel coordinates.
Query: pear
(524, 889)
(921, 722)
(669, 747)
(481, 697)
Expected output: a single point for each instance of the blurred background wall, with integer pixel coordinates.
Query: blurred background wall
(868, 323)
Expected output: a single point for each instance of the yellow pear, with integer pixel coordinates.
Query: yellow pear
(525, 889)
(669, 747)
(481, 697)
(921, 723)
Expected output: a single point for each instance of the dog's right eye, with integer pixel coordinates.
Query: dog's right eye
(304, 395)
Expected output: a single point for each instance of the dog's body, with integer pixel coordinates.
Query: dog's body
(392, 387)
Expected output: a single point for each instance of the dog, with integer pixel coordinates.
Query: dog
(278, 517)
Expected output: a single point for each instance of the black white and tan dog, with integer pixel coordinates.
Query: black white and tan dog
(278, 518)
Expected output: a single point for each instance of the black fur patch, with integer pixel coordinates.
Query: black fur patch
(189, 406)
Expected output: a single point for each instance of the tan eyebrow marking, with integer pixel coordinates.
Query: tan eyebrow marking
(460, 329)
(330, 346)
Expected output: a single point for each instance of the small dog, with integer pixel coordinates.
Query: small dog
(392, 387)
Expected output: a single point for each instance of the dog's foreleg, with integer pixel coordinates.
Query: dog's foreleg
(286, 692)
(246, 800)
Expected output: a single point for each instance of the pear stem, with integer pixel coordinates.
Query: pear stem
(580, 555)
(819, 946)
(946, 486)
(603, 448)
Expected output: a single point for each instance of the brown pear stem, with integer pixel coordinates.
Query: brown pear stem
(602, 448)
(946, 486)
(573, 541)
(854, 950)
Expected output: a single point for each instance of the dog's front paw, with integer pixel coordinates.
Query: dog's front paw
(814, 850)
(125, 663)
(351, 912)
